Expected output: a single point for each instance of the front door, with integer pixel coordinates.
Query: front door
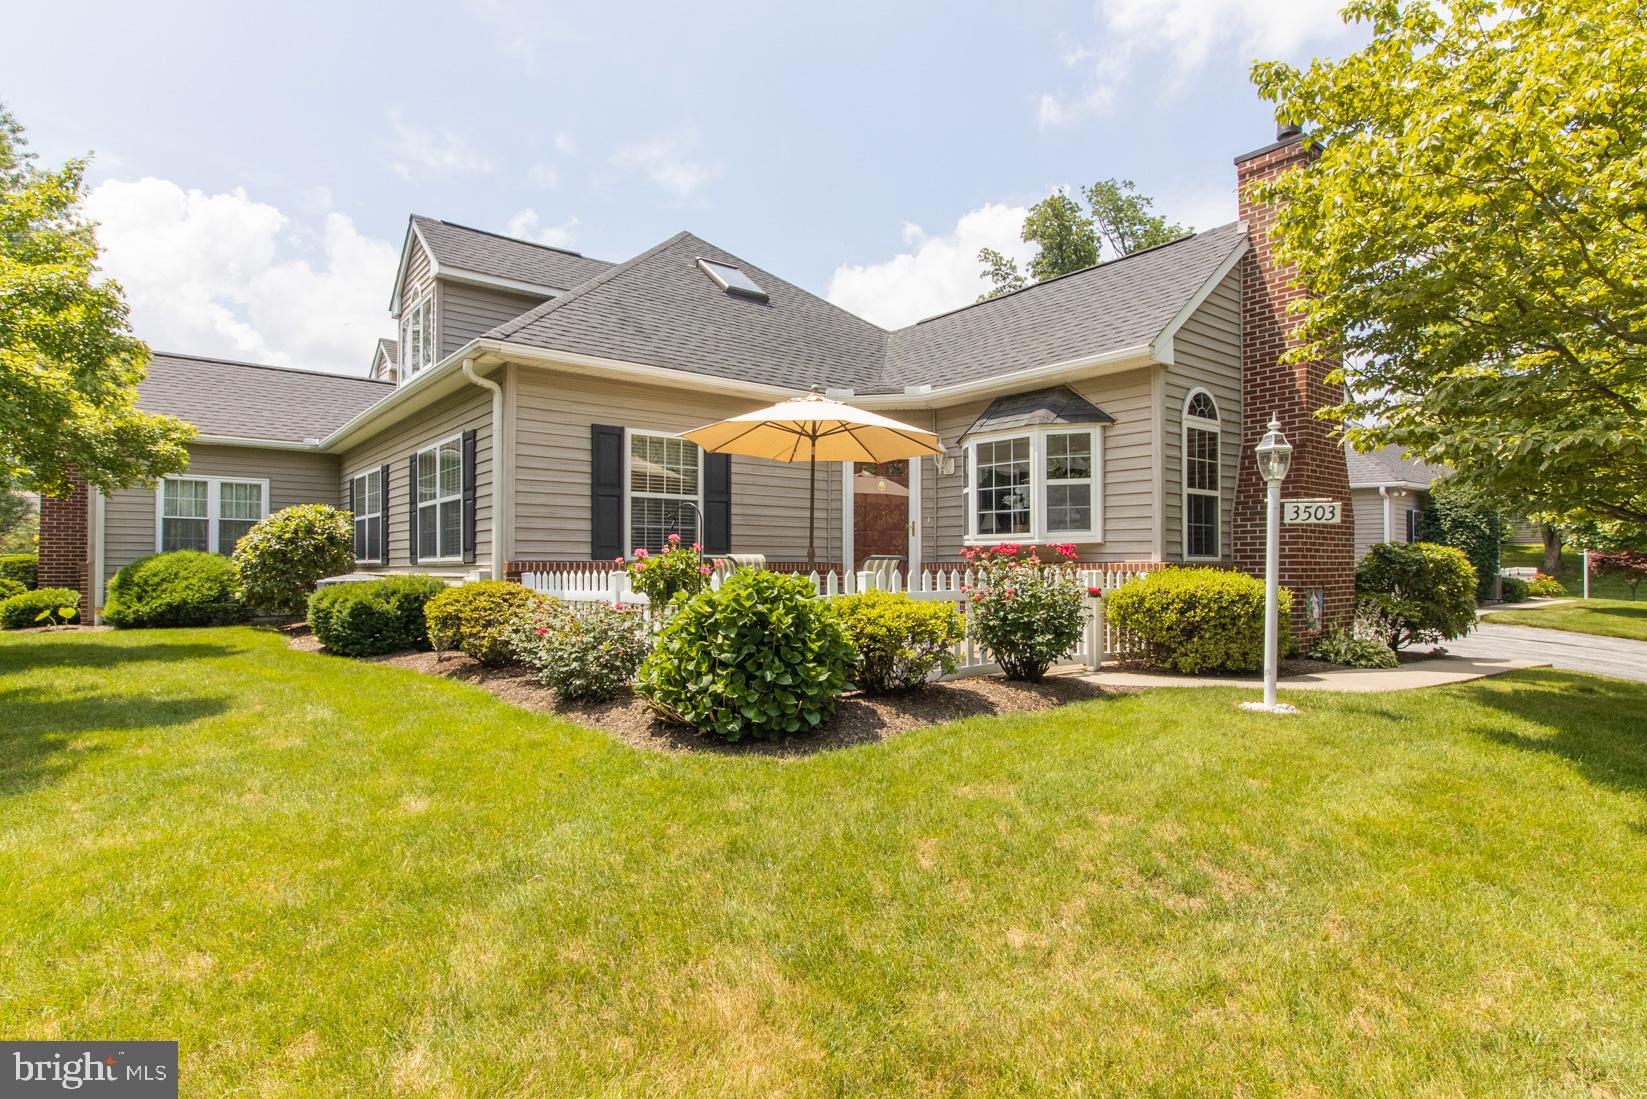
(880, 514)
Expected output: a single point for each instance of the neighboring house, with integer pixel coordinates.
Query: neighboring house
(537, 396)
(1390, 491)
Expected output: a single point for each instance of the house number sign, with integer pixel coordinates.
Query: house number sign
(1311, 511)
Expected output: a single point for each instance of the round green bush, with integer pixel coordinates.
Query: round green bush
(9, 588)
(1195, 620)
(22, 611)
(372, 617)
(900, 641)
(474, 618)
(764, 656)
(584, 651)
(184, 588)
(1512, 589)
(21, 567)
(280, 560)
(1425, 592)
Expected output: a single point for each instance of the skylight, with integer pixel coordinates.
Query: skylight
(732, 279)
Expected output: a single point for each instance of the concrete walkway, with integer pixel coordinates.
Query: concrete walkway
(1426, 673)
(1572, 652)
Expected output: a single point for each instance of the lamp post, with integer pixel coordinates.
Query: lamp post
(1274, 455)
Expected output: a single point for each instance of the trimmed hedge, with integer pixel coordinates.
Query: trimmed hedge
(182, 588)
(21, 567)
(280, 560)
(9, 588)
(372, 617)
(22, 611)
(1512, 589)
(1196, 620)
(900, 641)
(474, 618)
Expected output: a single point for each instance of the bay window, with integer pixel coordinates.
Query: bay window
(665, 490)
(440, 501)
(209, 514)
(1042, 484)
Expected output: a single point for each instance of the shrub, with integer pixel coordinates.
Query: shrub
(584, 651)
(1194, 620)
(183, 588)
(21, 567)
(1362, 644)
(1026, 612)
(25, 610)
(678, 569)
(372, 617)
(764, 656)
(1459, 517)
(280, 559)
(474, 618)
(9, 588)
(1424, 591)
(1512, 589)
(1628, 565)
(900, 641)
(1546, 586)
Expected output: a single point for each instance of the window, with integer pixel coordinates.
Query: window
(209, 514)
(732, 279)
(1413, 515)
(440, 501)
(1201, 476)
(366, 490)
(417, 337)
(665, 490)
(1036, 485)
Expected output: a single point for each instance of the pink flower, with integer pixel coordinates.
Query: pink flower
(1006, 593)
(641, 552)
(977, 597)
(542, 630)
(698, 546)
(674, 538)
(639, 565)
(618, 560)
(705, 569)
(1095, 592)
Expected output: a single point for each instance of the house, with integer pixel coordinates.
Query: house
(1390, 490)
(529, 408)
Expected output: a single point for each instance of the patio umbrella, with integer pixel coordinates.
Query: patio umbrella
(812, 427)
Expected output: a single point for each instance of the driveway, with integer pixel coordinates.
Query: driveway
(1574, 652)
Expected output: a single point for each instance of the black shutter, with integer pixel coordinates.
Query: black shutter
(606, 492)
(349, 497)
(717, 503)
(383, 510)
(469, 498)
(411, 510)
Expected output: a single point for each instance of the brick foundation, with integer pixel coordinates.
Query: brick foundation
(1313, 558)
(64, 545)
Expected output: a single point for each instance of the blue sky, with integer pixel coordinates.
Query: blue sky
(256, 165)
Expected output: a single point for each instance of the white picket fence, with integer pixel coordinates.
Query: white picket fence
(1099, 640)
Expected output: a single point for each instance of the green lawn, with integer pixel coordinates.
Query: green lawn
(329, 878)
(1608, 617)
(1531, 556)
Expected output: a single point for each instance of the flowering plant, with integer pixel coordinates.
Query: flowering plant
(1027, 612)
(677, 569)
(584, 651)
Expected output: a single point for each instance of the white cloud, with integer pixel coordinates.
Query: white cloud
(417, 152)
(939, 274)
(527, 225)
(1137, 38)
(670, 161)
(226, 275)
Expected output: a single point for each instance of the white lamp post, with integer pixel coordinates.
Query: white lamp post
(1274, 455)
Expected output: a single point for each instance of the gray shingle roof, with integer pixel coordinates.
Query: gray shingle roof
(390, 349)
(1389, 465)
(505, 257)
(255, 402)
(1057, 405)
(659, 309)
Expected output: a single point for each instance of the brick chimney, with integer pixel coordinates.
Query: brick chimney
(64, 546)
(1317, 561)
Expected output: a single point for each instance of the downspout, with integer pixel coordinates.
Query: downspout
(501, 470)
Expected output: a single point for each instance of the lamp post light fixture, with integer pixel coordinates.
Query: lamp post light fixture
(1274, 456)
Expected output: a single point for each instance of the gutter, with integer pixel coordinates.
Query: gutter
(502, 471)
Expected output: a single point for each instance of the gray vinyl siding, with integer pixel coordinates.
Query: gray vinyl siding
(470, 407)
(554, 413)
(417, 274)
(1128, 505)
(1369, 516)
(1207, 355)
(468, 311)
(295, 477)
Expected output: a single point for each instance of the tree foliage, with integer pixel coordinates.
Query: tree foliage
(1069, 238)
(1457, 515)
(69, 365)
(1474, 234)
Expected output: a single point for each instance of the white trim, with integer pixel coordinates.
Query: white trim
(214, 487)
(419, 504)
(1038, 532)
(496, 282)
(629, 434)
(1162, 346)
(357, 515)
(99, 521)
(914, 516)
(1409, 486)
(849, 519)
(428, 337)
(406, 262)
(1200, 423)
(258, 444)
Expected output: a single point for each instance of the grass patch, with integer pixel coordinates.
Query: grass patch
(1607, 617)
(324, 877)
(1530, 555)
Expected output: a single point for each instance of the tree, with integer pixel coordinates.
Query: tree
(1629, 566)
(1068, 238)
(1457, 515)
(69, 365)
(19, 522)
(1472, 238)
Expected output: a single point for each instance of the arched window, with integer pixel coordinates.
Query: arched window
(1201, 480)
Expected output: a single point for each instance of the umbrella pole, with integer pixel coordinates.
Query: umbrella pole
(812, 506)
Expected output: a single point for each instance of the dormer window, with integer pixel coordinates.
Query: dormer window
(417, 337)
(732, 280)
